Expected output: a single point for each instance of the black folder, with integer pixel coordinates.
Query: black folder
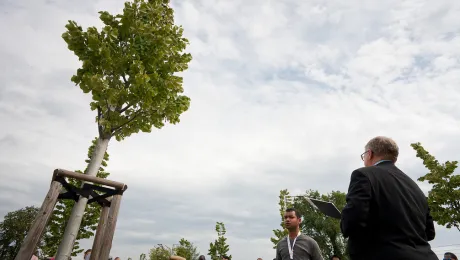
(327, 208)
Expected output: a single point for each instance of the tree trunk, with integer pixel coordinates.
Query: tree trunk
(73, 225)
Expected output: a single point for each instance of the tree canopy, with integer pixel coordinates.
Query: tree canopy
(186, 250)
(159, 252)
(129, 67)
(444, 196)
(283, 205)
(220, 247)
(13, 230)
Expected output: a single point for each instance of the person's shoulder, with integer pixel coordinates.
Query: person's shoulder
(365, 170)
(308, 239)
(362, 172)
(368, 170)
(281, 240)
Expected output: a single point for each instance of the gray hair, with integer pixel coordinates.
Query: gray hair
(384, 147)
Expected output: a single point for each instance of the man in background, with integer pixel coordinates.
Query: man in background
(335, 257)
(296, 246)
(450, 256)
(386, 215)
(87, 254)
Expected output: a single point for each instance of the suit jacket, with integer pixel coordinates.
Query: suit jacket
(386, 216)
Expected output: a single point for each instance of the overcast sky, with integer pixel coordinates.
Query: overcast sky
(284, 95)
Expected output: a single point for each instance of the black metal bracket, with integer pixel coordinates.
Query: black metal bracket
(88, 191)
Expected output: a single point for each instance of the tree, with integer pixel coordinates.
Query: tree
(159, 252)
(129, 68)
(13, 230)
(444, 196)
(219, 248)
(63, 209)
(186, 250)
(325, 230)
(281, 233)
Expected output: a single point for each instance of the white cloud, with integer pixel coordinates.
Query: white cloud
(284, 95)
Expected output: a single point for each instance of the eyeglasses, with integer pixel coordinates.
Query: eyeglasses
(362, 155)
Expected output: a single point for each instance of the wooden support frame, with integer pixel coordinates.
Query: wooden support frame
(109, 212)
(38, 227)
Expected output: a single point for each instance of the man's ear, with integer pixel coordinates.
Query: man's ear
(370, 155)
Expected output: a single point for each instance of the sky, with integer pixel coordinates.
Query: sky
(284, 95)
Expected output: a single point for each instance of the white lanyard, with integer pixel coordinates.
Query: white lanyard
(291, 249)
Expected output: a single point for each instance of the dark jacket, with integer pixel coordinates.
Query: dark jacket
(386, 216)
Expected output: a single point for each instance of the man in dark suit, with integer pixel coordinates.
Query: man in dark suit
(386, 215)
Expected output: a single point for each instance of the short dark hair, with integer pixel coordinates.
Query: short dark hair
(202, 257)
(336, 256)
(225, 257)
(297, 213)
(452, 255)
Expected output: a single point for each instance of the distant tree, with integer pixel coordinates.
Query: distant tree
(186, 250)
(219, 248)
(444, 196)
(325, 230)
(13, 230)
(63, 210)
(283, 232)
(159, 253)
(130, 68)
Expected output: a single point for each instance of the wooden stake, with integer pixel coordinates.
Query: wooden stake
(89, 178)
(38, 227)
(110, 227)
(98, 239)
